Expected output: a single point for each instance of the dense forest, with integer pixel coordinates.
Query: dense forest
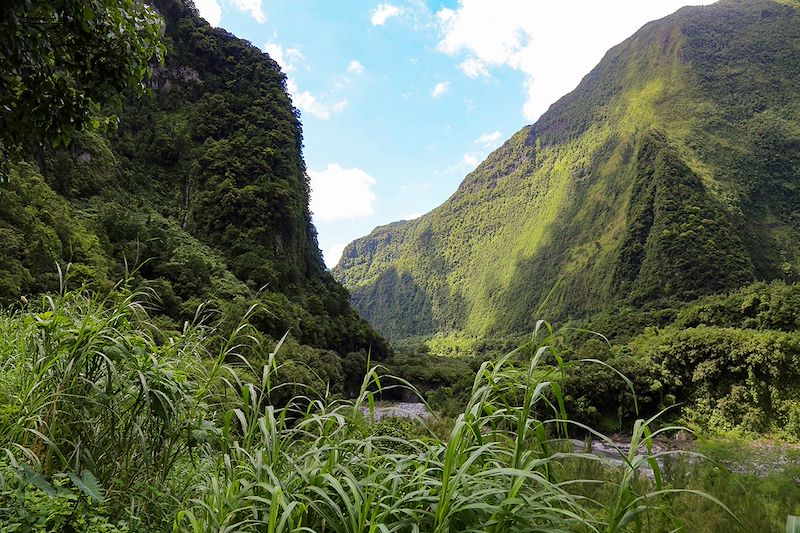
(200, 192)
(174, 355)
(670, 173)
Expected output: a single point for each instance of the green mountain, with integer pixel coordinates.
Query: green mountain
(201, 192)
(671, 172)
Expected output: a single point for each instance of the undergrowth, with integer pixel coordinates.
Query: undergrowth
(110, 425)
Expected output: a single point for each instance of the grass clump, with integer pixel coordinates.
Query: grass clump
(109, 421)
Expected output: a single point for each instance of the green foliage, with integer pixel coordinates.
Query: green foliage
(392, 434)
(452, 345)
(218, 153)
(733, 379)
(434, 375)
(670, 173)
(597, 395)
(774, 306)
(761, 500)
(92, 385)
(200, 192)
(31, 503)
(96, 392)
(116, 431)
(730, 361)
(727, 363)
(60, 61)
(498, 470)
(679, 243)
(39, 230)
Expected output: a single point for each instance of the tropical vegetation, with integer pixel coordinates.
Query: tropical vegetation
(670, 173)
(108, 425)
(227, 384)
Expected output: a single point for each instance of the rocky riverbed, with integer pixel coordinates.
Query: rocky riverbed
(761, 458)
(414, 410)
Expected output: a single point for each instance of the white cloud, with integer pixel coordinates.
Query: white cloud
(308, 103)
(470, 161)
(341, 193)
(253, 7)
(305, 101)
(339, 106)
(440, 88)
(355, 67)
(209, 10)
(488, 140)
(383, 12)
(287, 58)
(473, 68)
(333, 253)
(412, 216)
(319, 106)
(553, 44)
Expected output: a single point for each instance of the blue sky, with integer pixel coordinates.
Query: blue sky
(401, 99)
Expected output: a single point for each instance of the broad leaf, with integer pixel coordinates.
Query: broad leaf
(88, 485)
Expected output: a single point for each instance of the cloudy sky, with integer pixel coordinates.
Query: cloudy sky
(400, 99)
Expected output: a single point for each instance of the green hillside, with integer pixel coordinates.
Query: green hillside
(151, 268)
(671, 172)
(199, 193)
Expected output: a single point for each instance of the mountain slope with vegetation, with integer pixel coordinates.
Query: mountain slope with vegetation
(670, 173)
(200, 193)
(165, 401)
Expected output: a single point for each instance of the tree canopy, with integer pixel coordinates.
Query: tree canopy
(61, 60)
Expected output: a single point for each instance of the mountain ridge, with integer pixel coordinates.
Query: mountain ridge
(704, 97)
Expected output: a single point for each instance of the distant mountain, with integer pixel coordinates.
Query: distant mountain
(671, 172)
(202, 187)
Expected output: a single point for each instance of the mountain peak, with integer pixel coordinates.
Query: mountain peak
(671, 171)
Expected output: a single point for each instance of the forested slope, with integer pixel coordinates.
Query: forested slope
(671, 172)
(200, 193)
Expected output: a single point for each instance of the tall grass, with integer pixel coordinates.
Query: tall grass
(88, 387)
(182, 432)
(311, 466)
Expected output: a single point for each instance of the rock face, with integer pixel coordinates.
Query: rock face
(671, 172)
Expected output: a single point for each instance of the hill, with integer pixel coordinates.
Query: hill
(200, 193)
(671, 172)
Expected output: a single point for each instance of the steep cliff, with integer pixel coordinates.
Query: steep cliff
(672, 171)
